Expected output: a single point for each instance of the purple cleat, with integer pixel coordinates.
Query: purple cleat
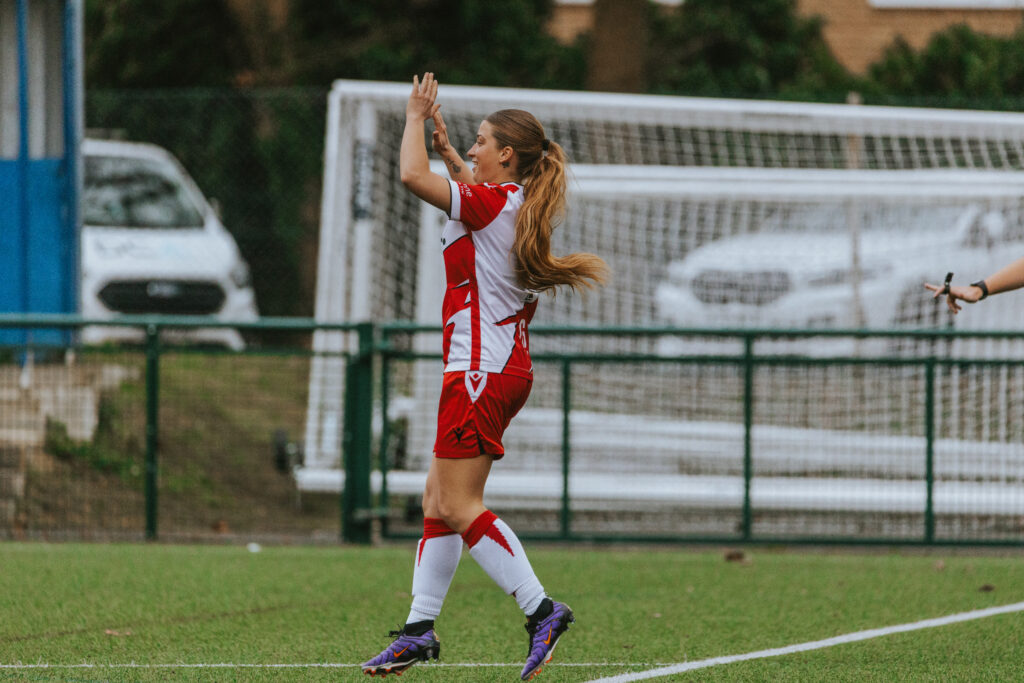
(544, 634)
(403, 653)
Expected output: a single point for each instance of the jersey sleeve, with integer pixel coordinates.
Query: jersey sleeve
(476, 206)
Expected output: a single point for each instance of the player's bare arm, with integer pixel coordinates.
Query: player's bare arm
(414, 165)
(1005, 279)
(458, 169)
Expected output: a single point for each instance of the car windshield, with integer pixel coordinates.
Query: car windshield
(136, 193)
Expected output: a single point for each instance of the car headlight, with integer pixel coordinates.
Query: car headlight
(240, 275)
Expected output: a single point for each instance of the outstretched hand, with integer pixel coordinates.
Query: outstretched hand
(421, 103)
(970, 294)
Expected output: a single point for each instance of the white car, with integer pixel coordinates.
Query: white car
(152, 244)
(800, 274)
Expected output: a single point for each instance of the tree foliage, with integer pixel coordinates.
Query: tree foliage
(463, 41)
(745, 49)
(145, 44)
(957, 63)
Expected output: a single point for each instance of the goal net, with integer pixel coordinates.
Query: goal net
(711, 214)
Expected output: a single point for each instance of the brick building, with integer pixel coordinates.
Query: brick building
(858, 31)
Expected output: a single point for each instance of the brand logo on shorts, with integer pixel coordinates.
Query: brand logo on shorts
(457, 431)
(475, 383)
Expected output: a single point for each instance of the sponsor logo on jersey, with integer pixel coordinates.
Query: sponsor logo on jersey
(475, 383)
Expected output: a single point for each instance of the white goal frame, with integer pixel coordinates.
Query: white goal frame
(955, 145)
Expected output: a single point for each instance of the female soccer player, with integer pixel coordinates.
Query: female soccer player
(497, 257)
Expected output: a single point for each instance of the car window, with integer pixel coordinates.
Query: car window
(136, 193)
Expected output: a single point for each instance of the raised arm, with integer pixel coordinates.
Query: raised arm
(1005, 279)
(457, 168)
(414, 165)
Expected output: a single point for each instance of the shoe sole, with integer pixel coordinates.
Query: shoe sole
(382, 670)
(551, 653)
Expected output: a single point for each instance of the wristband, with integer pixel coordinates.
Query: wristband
(947, 283)
(980, 284)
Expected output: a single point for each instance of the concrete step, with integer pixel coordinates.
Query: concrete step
(22, 423)
(12, 456)
(76, 407)
(12, 484)
(8, 512)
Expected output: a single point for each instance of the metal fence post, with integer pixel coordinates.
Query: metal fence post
(385, 438)
(566, 450)
(748, 425)
(152, 426)
(929, 456)
(356, 439)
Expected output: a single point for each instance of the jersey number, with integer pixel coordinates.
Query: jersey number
(522, 335)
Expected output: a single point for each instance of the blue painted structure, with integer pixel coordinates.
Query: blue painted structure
(39, 162)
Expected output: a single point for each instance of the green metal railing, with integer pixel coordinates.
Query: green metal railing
(749, 362)
(356, 437)
(371, 365)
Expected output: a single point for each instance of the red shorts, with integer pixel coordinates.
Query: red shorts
(474, 412)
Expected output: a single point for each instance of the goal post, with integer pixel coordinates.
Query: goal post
(669, 190)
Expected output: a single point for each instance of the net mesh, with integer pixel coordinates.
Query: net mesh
(723, 214)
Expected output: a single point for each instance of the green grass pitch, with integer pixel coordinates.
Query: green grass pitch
(234, 615)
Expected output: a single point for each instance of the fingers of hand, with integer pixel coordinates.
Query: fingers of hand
(426, 85)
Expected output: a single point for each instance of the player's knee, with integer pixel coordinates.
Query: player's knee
(448, 511)
(429, 502)
(454, 512)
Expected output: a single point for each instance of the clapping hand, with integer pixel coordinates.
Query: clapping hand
(421, 105)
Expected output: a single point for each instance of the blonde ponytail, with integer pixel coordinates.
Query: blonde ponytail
(542, 167)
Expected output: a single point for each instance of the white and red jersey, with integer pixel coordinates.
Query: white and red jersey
(486, 312)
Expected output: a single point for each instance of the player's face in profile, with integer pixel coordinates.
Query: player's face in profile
(485, 155)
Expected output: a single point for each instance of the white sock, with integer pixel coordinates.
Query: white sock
(437, 558)
(497, 549)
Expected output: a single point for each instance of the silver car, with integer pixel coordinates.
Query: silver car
(829, 267)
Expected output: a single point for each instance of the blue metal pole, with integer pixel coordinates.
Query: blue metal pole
(23, 216)
(72, 179)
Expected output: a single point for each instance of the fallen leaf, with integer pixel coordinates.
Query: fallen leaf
(735, 556)
(119, 634)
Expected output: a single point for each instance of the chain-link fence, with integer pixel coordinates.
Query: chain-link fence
(177, 443)
(256, 154)
(185, 443)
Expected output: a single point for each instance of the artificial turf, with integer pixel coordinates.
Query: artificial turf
(170, 612)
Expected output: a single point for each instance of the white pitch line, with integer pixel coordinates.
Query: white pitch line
(815, 645)
(317, 665)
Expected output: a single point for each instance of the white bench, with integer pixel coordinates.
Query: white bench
(543, 491)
